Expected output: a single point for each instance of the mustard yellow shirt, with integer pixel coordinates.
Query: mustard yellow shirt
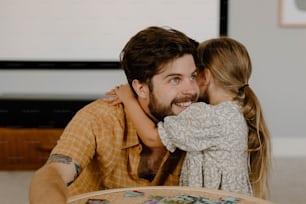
(103, 141)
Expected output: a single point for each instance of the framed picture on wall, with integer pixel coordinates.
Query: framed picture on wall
(292, 13)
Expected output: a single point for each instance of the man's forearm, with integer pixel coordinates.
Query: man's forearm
(47, 186)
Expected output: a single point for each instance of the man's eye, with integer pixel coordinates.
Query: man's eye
(175, 80)
(193, 76)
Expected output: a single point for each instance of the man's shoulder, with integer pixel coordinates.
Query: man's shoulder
(100, 107)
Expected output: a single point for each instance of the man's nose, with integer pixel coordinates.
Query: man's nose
(191, 87)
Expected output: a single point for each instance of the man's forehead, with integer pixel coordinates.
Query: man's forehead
(178, 67)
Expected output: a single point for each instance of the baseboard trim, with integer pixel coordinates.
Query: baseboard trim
(289, 147)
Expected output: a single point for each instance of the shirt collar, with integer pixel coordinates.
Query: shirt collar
(131, 139)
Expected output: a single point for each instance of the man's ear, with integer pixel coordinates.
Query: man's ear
(141, 89)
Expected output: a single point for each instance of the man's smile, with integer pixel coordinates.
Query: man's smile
(184, 104)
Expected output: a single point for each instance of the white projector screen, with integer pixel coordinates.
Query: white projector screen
(43, 31)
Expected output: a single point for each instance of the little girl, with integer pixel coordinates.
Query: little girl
(226, 140)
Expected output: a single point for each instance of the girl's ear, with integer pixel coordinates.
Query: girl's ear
(141, 89)
(207, 76)
(204, 77)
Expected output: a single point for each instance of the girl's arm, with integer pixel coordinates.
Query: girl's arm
(145, 127)
(191, 130)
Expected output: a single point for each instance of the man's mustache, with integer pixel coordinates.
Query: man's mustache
(192, 98)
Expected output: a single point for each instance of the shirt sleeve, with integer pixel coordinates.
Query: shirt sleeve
(90, 130)
(195, 129)
(77, 140)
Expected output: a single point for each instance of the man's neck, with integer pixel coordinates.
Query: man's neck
(150, 161)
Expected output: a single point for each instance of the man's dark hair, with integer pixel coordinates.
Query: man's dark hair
(146, 52)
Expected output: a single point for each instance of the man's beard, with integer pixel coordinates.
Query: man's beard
(160, 111)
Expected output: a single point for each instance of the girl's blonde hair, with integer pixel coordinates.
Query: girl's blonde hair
(229, 63)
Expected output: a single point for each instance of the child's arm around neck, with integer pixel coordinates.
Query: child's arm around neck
(144, 126)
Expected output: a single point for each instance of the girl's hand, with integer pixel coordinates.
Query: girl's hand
(124, 93)
(112, 98)
(120, 94)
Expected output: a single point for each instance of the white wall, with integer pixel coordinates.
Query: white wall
(82, 82)
(279, 72)
(279, 69)
(94, 30)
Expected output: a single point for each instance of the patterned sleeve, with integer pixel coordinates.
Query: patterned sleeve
(77, 140)
(194, 129)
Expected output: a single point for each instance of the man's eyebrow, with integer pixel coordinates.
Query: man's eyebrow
(178, 74)
(171, 75)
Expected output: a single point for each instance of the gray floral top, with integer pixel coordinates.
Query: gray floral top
(215, 138)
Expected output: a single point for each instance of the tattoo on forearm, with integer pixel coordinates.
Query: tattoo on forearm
(77, 170)
(59, 158)
(66, 160)
(77, 173)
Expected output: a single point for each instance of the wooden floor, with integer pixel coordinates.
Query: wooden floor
(288, 183)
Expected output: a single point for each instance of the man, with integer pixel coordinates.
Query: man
(99, 148)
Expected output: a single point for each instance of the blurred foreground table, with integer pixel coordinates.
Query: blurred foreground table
(140, 195)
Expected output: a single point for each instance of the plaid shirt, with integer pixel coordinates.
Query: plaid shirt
(103, 141)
